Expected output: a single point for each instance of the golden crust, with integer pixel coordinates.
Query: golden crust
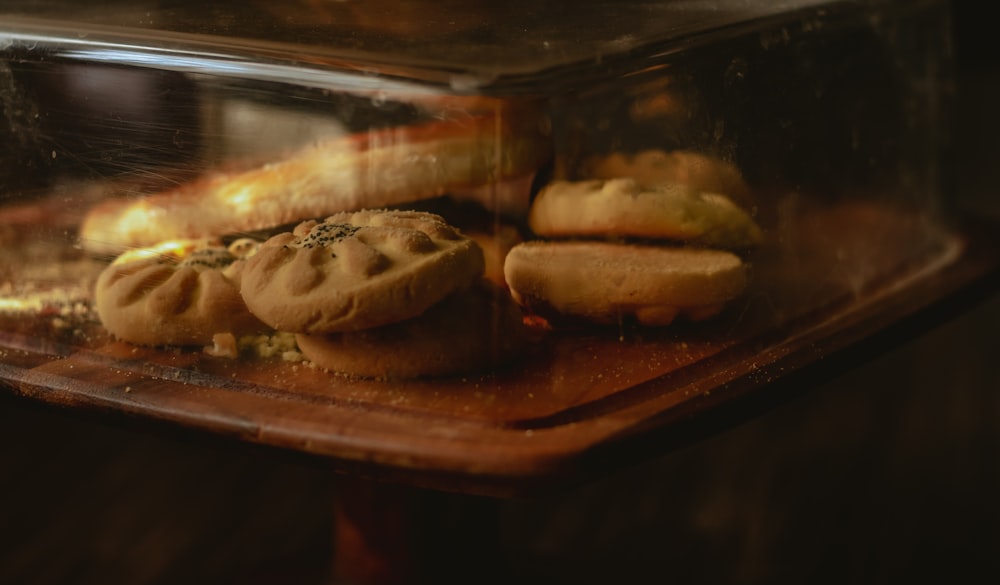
(652, 168)
(358, 270)
(174, 295)
(367, 170)
(606, 282)
(621, 207)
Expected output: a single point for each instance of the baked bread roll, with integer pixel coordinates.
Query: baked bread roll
(368, 170)
(179, 293)
(623, 208)
(358, 270)
(607, 282)
(651, 168)
(474, 330)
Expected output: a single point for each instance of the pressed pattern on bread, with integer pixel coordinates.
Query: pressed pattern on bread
(178, 293)
(358, 270)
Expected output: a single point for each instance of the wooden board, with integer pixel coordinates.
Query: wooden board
(579, 402)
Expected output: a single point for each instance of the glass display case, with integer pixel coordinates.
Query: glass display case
(471, 245)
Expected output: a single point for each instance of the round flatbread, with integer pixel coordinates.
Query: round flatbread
(475, 330)
(358, 270)
(179, 293)
(607, 282)
(622, 208)
(651, 168)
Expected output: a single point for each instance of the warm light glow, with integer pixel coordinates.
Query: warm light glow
(11, 305)
(175, 249)
(241, 199)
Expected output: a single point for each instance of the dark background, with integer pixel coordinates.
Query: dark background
(887, 472)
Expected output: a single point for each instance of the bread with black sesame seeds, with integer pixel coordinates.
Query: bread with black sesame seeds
(177, 293)
(358, 270)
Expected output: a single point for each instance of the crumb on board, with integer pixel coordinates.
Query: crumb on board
(223, 345)
(277, 344)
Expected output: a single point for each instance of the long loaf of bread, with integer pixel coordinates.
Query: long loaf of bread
(365, 170)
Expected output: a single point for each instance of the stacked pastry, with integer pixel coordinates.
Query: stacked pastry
(384, 294)
(368, 292)
(380, 292)
(181, 292)
(612, 250)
